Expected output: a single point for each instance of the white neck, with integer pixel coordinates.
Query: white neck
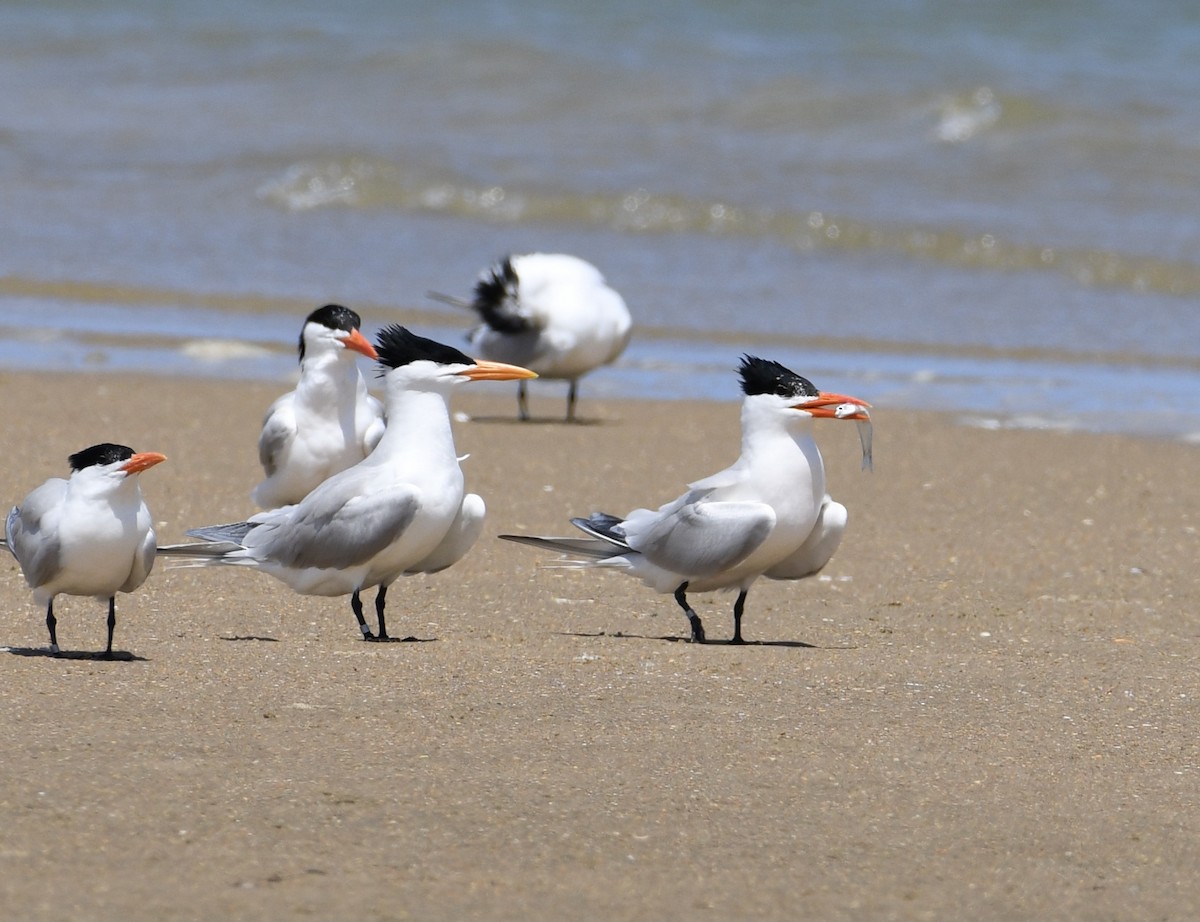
(418, 423)
(93, 486)
(782, 445)
(326, 380)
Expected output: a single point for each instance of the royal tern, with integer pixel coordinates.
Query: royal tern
(549, 312)
(90, 535)
(329, 422)
(766, 515)
(401, 510)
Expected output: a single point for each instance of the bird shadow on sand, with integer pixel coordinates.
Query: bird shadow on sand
(264, 639)
(117, 656)
(261, 638)
(540, 421)
(678, 638)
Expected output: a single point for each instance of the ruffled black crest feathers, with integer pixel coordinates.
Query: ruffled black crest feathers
(99, 455)
(762, 376)
(333, 316)
(496, 296)
(397, 345)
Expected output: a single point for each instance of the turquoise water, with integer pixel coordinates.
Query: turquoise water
(987, 209)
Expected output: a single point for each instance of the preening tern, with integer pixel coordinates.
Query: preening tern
(550, 312)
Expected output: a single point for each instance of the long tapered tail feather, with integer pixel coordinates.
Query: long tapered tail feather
(449, 299)
(199, 550)
(605, 541)
(216, 544)
(233, 532)
(603, 526)
(585, 550)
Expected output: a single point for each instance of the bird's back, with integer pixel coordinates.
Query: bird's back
(575, 321)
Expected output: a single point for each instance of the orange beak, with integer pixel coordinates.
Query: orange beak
(483, 370)
(142, 461)
(835, 406)
(358, 343)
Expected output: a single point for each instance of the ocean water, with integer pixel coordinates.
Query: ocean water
(987, 209)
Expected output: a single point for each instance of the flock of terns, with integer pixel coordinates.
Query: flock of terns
(360, 492)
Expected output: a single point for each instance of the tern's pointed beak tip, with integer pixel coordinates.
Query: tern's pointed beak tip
(143, 461)
(828, 405)
(484, 370)
(360, 344)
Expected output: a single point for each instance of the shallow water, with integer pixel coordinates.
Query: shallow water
(990, 211)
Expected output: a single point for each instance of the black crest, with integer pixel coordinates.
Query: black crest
(333, 316)
(496, 296)
(760, 376)
(99, 455)
(398, 346)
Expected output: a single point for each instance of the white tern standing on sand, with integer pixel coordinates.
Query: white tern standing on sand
(549, 312)
(90, 535)
(766, 515)
(329, 422)
(401, 510)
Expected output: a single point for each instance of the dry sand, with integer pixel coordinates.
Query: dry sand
(987, 710)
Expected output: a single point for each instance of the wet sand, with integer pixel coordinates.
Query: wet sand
(986, 709)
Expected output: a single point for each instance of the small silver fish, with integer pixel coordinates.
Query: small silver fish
(864, 429)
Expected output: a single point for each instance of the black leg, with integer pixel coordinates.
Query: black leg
(572, 393)
(693, 618)
(380, 600)
(51, 621)
(112, 624)
(522, 402)
(356, 606)
(737, 616)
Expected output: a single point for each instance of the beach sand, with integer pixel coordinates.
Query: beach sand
(986, 708)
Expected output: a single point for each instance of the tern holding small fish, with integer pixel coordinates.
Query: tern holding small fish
(863, 421)
(766, 515)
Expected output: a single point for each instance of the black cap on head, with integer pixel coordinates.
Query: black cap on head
(761, 376)
(99, 455)
(333, 316)
(398, 346)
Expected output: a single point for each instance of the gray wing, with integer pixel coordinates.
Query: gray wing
(143, 559)
(37, 551)
(233, 533)
(279, 429)
(694, 537)
(339, 525)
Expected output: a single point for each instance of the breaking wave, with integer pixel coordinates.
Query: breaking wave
(374, 184)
